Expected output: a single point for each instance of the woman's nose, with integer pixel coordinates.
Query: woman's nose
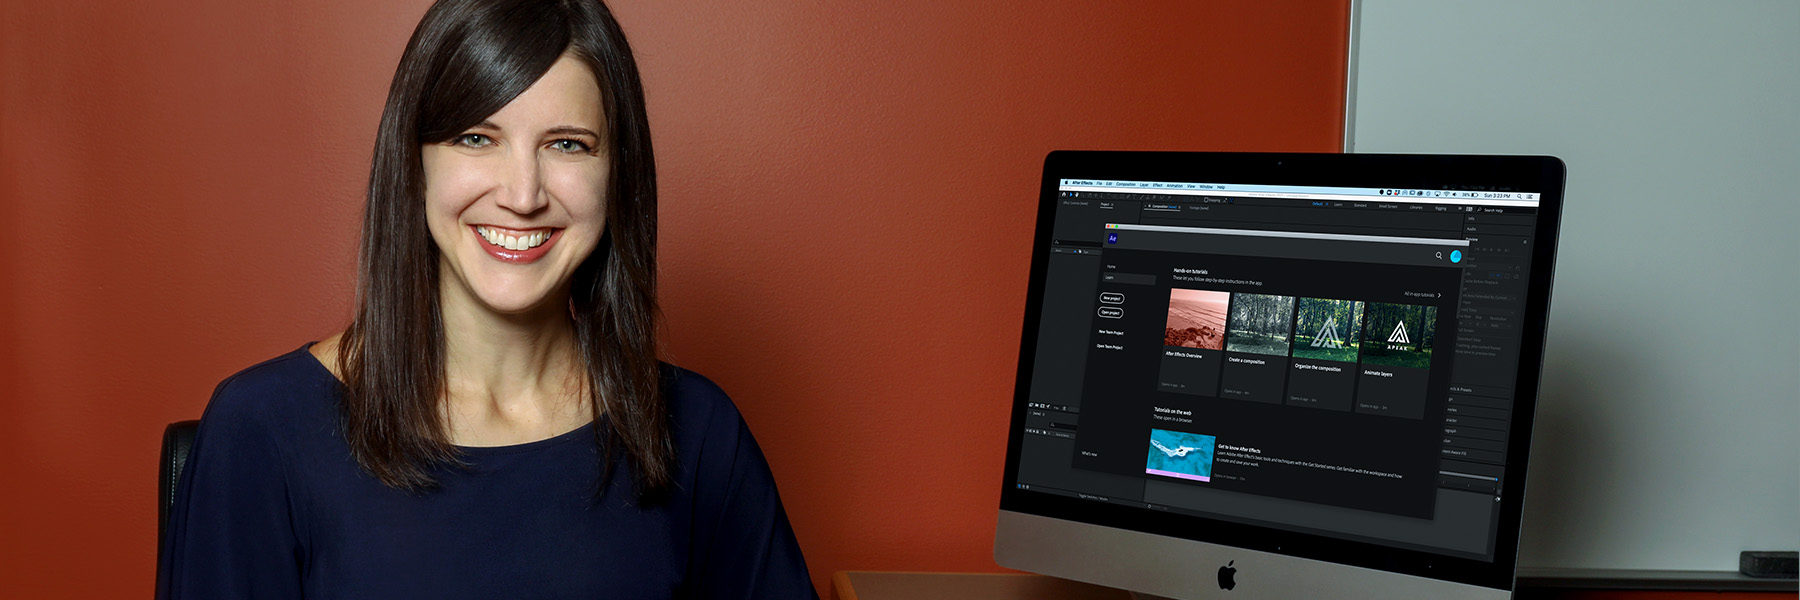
(523, 191)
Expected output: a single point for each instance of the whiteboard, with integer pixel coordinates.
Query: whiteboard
(1668, 434)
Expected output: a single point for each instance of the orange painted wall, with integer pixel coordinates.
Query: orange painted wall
(848, 192)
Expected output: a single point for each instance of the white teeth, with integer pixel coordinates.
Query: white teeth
(525, 242)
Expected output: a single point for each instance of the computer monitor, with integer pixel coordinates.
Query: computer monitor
(1280, 375)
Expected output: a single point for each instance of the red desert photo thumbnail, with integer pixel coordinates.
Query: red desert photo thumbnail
(1196, 319)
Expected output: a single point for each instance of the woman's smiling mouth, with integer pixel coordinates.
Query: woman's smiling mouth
(516, 246)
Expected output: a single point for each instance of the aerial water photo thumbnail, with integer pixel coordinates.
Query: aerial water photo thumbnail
(1181, 455)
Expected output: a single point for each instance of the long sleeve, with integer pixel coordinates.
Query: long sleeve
(231, 531)
(744, 547)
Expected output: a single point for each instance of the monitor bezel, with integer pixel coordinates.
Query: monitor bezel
(1541, 174)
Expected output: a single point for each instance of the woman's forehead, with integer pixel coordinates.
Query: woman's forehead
(567, 96)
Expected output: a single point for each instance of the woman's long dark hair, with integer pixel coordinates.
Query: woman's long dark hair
(467, 60)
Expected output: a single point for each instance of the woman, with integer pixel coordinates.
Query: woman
(494, 422)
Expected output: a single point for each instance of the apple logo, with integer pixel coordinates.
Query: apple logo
(1227, 576)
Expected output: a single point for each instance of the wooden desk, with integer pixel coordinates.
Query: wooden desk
(1546, 585)
(882, 585)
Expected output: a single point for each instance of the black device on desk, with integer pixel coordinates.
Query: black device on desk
(1280, 375)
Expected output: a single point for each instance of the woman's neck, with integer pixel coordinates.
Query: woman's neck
(510, 378)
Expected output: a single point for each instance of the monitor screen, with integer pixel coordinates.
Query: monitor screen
(1312, 360)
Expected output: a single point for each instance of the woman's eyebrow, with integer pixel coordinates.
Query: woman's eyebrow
(571, 130)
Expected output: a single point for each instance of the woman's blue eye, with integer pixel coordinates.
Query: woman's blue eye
(570, 146)
(473, 140)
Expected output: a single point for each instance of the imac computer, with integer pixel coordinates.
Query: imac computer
(1280, 375)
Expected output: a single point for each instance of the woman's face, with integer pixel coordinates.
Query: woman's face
(517, 202)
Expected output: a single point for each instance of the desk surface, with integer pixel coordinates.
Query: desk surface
(1642, 579)
(882, 585)
(1568, 584)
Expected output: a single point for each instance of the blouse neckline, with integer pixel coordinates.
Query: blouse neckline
(555, 440)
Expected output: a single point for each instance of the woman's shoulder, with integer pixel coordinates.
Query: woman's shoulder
(290, 389)
(699, 410)
(692, 395)
(680, 382)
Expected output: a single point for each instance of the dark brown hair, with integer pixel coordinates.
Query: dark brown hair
(467, 60)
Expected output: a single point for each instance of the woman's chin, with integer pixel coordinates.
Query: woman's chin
(512, 303)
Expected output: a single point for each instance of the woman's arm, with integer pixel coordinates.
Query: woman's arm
(744, 546)
(231, 533)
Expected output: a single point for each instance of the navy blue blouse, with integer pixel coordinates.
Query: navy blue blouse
(271, 505)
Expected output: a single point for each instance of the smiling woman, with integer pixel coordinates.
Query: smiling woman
(526, 181)
(494, 422)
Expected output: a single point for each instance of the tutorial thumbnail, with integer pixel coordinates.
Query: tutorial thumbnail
(1399, 335)
(1196, 319)
(1181, 455)
(1260, 324)
(1328, 329)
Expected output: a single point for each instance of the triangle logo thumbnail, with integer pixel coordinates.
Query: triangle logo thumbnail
(1328, 334)
(1399, 335)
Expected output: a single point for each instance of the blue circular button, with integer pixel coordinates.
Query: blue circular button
(1455, 256)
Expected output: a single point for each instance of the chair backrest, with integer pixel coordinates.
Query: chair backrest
(177, 438)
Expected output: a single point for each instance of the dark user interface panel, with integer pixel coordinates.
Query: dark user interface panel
(1335, 361)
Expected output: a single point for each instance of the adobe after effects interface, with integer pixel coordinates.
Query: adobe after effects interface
(1328, 360)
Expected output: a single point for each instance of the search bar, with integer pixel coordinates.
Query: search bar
(1297, 245)
(1342, 237)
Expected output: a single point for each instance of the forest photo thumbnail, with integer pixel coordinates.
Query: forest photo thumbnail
(1399, 335)
(1196, 319)
(1260, 324)
(1328, 329)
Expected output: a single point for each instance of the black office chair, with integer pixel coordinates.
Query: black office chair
(177, 438)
